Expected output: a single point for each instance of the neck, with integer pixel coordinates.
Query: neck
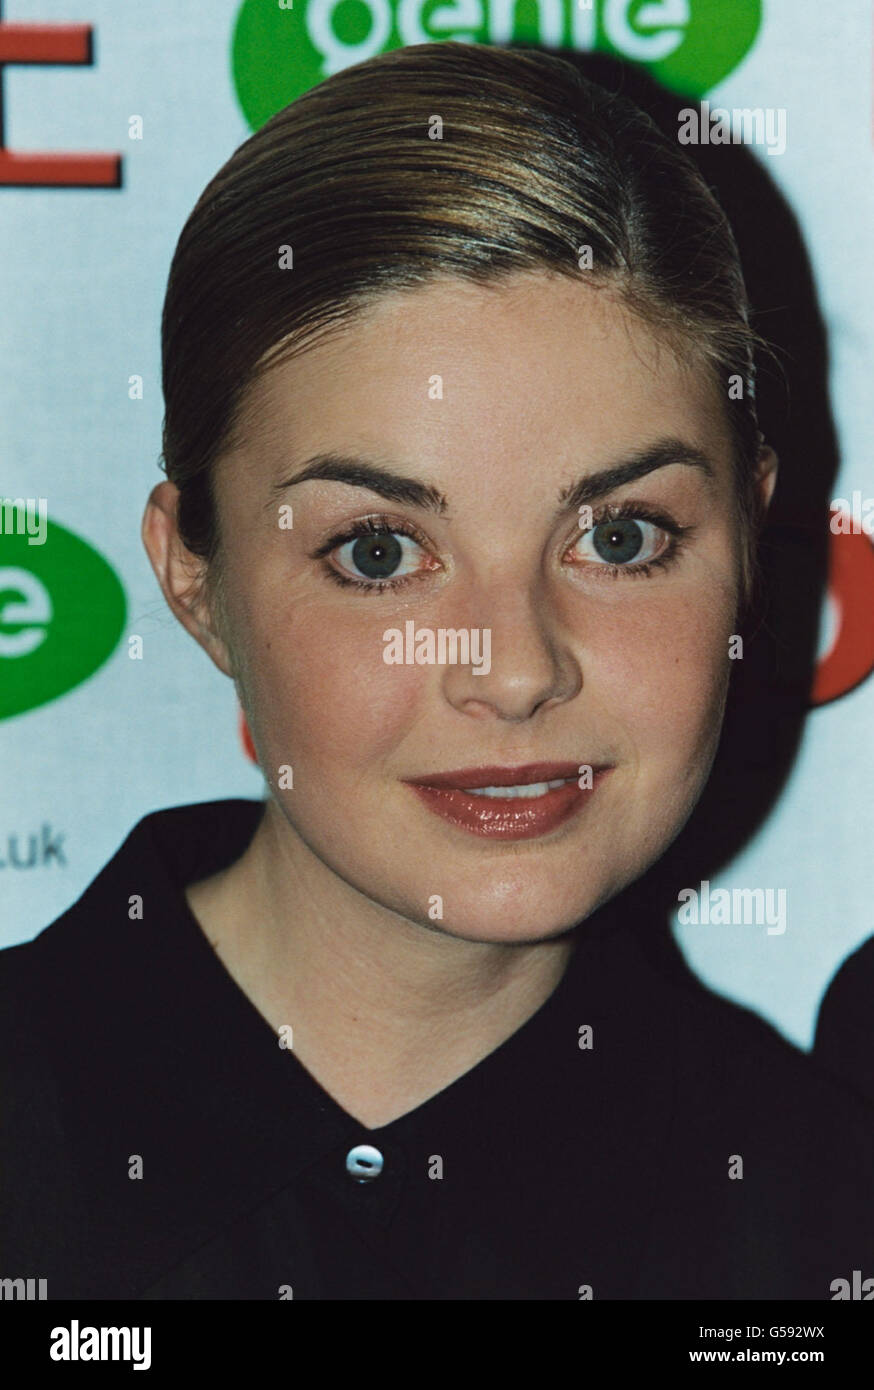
(385, 1012)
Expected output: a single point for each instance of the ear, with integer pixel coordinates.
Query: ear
(181, 574)
(765, 475)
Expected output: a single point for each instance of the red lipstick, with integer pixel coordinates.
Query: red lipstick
(469, 797)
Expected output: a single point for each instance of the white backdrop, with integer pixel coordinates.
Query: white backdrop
(83, 275)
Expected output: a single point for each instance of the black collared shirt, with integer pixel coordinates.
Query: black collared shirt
(157, 1142)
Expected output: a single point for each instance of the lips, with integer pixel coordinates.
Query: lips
(467, 778)
(539, 797)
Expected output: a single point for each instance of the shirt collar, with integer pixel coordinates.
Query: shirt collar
(165, 1057)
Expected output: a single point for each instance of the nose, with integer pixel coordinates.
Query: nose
(531, 665)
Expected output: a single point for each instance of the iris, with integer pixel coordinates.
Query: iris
(617, 541)
(377, 556)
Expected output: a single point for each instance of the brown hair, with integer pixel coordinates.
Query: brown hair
(534, 162)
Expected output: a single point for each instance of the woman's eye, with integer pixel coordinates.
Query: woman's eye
(379, 555)
(624, 541)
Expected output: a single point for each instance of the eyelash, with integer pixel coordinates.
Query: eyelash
(379, 525)
(637, 511)
(369, 526)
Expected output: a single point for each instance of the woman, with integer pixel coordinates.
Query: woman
(462, 495)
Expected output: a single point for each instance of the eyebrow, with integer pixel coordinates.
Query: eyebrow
(376, 476)
(661, 454)
(358, 471)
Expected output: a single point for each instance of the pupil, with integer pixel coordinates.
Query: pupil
(617, 541)
(377, 556)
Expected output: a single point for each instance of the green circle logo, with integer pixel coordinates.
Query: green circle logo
(281, 48)
(62, 609)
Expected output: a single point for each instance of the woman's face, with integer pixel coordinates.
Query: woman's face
(504, 409)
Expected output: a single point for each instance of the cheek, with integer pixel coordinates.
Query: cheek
(667, 678)
(316, 690)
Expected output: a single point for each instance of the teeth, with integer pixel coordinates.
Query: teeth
(527, 790)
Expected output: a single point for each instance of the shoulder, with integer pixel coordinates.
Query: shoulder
(711, 1033)
(20, 969)
(735, 1069)
(844, 1042)
(95, 1012)
(769, 1154)
(121, 936)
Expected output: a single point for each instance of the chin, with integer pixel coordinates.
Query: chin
(522, 918)
(499, 934)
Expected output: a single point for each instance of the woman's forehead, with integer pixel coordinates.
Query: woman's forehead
(533, 363)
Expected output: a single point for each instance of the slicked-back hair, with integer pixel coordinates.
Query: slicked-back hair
(534, 163)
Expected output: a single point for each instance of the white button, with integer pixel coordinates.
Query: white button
(364, 1162)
